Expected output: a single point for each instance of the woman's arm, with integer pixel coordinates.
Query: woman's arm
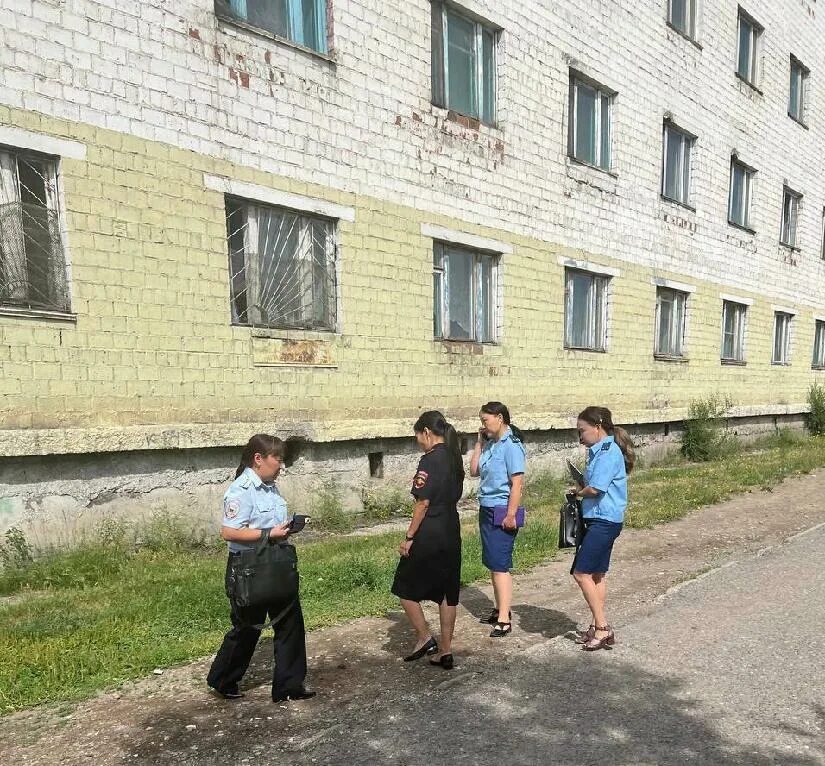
(516, 491)
(419, 512)
(249, 535)
(583, 492)
(476, 456)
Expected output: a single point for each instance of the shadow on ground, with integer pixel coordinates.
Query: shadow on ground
(563, 708)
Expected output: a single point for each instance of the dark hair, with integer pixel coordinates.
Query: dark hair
(260, 443)
(437, 423)
(601, 416)
(497, 408)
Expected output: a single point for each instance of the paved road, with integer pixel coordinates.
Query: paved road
(726, 670)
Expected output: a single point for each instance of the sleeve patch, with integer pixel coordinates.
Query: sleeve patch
(231, 509)
(420, 479)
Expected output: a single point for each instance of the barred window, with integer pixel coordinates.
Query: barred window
(464, 289)
(32, 261)
(281, 266)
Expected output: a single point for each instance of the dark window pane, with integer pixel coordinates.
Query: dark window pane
(459, 272)
(268, 14)
(585, 123)
(581, 306)
(744, 62)
(488, 79)
(461, 85)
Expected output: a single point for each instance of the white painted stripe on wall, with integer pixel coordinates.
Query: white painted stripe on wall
(595, 268)
(463, 238)
(277, 197)
(736, 299)
(39, 142)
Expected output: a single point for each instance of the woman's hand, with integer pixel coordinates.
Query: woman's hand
(509, 522)
(281, 532)
(573, 490)
(482, 435)
(404, 548)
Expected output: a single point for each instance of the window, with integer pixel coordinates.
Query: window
(781, 338)
(796, 98)
(585, 320)
(747, 60)
(32, 261)
(670, 322)
(281, 266)
(302, 21)
(819, 345)
(464, 290)
(589, 123)
(682, 16)
(463, 64)
(790, 216)
(733, 331)
(739, 204)
(676, 164)
(822, 251)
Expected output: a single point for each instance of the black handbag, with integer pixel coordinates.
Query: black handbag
(570, 523)
(265, 576)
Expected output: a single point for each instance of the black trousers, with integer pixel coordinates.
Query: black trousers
(239, 644)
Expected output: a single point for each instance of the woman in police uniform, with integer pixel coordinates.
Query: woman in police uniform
(610, 459)
(252, 504)
(430, 565)
(499, 459)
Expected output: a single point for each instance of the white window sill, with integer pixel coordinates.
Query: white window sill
(671, 358)
(24, 313)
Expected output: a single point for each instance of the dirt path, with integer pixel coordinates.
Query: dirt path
(356, 668)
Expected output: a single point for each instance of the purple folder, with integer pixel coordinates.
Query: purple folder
(500, 511)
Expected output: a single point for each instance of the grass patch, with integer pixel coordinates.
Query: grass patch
(93, 617)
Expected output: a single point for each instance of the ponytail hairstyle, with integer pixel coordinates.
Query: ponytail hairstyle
(601, 416)
(437, 423)
(497, 408)
(263, 444)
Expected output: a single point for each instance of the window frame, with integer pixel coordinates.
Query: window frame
(678, 320)
(753, 75)
(786, 318)
(441, 297)
(440, 64)
(790, 218)
(690, 13)
(603, 95)
(251, 253)
(294, 8)
(750, 173)
(685, 168)
(741, 309)
(804, 72)
(598, 299)
(818, 357)
(59, 279)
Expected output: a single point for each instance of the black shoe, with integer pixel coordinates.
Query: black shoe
(431, 647)
(492, 618)
(294, 694)
(230, 693)
(445, 660)
(501, 629)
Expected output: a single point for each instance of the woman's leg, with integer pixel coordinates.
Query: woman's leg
(503, 589)
(446, 615)
(594, 590)
(415, 614)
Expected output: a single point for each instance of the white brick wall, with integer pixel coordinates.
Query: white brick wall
(173, 73)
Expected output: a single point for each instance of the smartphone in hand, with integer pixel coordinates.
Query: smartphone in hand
(297, 522)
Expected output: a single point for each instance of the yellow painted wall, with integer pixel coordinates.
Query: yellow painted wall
(153, 361)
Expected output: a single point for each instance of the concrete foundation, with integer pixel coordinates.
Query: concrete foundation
(62, 499)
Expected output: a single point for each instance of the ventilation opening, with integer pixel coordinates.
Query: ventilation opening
(376, 465)
(667, 429)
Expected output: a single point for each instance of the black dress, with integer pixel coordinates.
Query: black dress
(432, 571)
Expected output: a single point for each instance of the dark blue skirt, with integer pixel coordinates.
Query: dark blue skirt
(593, 556)
(496, 543)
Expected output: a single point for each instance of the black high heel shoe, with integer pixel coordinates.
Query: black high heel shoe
(431, 647)
(445, 660)
(501, 629)
(492, 618)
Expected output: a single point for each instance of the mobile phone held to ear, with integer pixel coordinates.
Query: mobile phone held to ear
(298, 522)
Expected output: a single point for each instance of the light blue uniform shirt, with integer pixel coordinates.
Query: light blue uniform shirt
(605, 472)
(499, 462)
(251, 502)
